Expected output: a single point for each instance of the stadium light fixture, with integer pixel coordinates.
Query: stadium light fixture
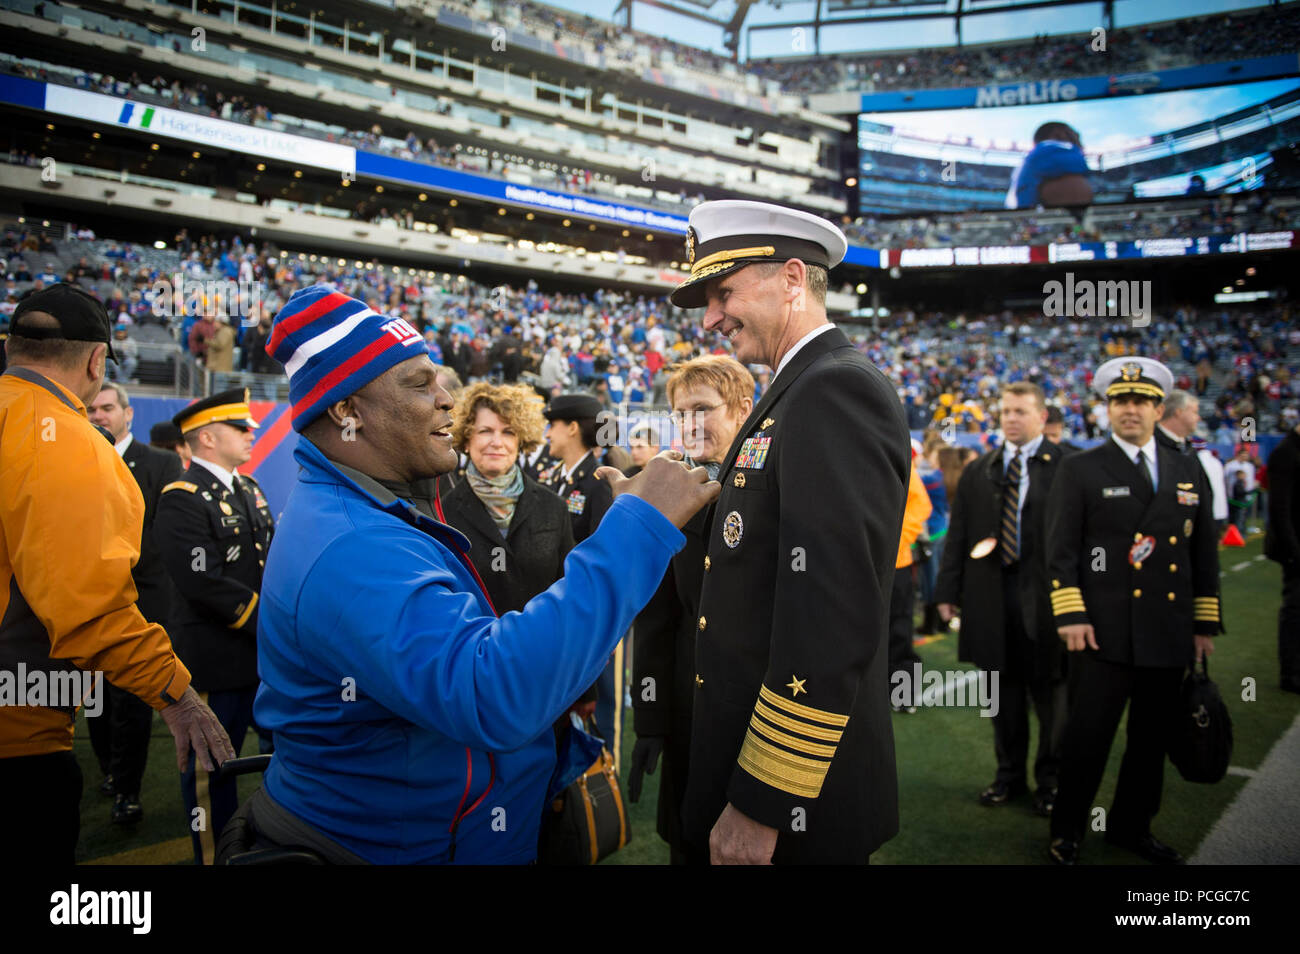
(453, 203)
(297, 173)
(153, 146)
(160, 244)
(424, 197)
(194, 154)
(529, 216)
(1251, 271)
(567, 223)
(50, 126)
(850, 182)
(94, 135)
(261, 167)
(379, 188)
(861, 289)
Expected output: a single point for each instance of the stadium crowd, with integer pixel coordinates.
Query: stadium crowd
(1183, 43)
(1242, 363)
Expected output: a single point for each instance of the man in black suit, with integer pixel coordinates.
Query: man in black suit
(792, 749)
(120, 733)
(1178, 422)
(995, 571)
(1282, 544)
(1134, 568)
(1054, 430)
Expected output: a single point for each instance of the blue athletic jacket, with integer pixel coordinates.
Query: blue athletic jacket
(398, 701)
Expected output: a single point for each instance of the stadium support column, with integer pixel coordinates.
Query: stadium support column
(956, 20)
(1108, 15)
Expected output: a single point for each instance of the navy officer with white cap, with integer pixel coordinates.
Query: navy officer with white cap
(792, 750)
(1134, 573)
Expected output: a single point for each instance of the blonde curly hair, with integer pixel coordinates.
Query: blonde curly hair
(519, 407)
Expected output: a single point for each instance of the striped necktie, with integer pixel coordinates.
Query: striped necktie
(1010, 532)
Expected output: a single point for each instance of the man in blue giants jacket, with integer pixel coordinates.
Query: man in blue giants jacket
(413, 725)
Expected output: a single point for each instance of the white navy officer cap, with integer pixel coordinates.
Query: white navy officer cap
(728, 234)
(1133, 376)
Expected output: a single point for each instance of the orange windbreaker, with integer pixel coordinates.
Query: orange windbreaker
(914, 517)
(71, 519)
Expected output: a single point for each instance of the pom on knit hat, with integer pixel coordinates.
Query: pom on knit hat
(332, 345)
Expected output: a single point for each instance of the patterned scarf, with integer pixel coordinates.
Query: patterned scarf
(499, 494)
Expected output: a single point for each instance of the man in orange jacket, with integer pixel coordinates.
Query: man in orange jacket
(71, 519)
(901, 654)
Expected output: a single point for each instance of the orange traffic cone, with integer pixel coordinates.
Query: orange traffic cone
(1233, 537)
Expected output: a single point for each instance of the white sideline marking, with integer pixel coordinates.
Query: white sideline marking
(1239, 770)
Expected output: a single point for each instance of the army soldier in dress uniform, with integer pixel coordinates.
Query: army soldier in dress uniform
(792, 750)
(213, 529)
(1134, 571)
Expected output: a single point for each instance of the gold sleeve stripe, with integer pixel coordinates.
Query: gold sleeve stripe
(248, 611)
(805, 728)
(181, 485)
(789, 741)
(789, 773)
(801, 711)
(1072, 606)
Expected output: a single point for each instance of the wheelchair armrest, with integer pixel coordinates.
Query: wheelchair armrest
(245, 766)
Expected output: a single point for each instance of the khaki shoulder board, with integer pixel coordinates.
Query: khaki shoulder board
(181, 485)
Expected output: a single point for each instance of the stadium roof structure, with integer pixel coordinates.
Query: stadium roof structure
(731, 14)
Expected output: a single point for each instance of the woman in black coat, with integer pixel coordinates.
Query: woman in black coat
(519, 531)
(711, 398)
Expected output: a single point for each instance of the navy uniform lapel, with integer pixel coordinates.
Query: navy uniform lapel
(824, 343)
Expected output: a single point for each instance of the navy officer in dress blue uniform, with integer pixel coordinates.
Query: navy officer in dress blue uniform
(1133, 564)
(213, 529)
(792, 750)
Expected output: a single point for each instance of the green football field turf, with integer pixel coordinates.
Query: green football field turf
(945, 758)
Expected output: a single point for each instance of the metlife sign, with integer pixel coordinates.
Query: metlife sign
(200, 130)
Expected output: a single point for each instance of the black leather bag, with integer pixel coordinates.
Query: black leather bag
(1201, 746)
(588, 820)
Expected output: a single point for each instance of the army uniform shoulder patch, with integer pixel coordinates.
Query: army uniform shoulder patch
(181, 485)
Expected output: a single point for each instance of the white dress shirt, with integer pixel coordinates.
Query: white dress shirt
(1148, 450)
(123, 444)
(227, 477)
(820, 329)
(567, 475)
(1025, 451)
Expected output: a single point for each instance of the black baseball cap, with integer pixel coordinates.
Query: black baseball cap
(80, 316)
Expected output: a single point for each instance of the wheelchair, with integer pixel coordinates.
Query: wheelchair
(240, 843)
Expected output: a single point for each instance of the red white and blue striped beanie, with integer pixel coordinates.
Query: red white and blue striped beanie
(332, 345)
